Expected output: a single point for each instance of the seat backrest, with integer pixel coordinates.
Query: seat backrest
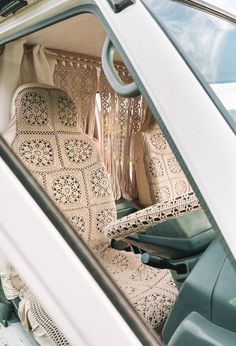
(65, 162)
(159, 176)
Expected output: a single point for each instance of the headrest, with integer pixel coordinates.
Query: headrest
(37, 107)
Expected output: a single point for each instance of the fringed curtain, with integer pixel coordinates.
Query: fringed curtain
(79, 79)
(118, 119)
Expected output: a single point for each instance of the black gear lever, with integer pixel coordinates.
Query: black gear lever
(162, 263)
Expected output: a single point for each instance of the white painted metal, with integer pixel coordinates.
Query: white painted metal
(226, 93)
(47, 264)
(38, 12)
(202, 136)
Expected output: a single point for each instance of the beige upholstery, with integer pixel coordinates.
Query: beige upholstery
(67, 165)
(159, 176)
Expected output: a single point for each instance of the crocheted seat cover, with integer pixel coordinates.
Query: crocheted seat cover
(159, 175)
(45, 135)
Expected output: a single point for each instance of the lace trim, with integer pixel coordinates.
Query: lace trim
(41, 317)
(152, 215)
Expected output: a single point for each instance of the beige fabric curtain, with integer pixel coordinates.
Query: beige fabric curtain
(10, 62)
(20, 65)
(37, 66)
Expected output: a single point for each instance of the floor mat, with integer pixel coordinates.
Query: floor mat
(2, 343)
(15, 335)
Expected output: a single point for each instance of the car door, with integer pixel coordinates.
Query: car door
(185, 111)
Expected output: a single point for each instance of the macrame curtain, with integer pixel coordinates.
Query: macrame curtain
(121, 118)
(80, 80)
(114, 123)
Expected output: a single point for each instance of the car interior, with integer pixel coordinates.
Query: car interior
(106, 163)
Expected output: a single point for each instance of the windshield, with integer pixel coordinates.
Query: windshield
(209, 43)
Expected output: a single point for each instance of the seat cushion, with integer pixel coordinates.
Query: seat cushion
(151, 290)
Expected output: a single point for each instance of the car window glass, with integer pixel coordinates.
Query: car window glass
(209, 43)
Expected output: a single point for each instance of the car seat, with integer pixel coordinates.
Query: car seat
(45, 135)
(160, 178)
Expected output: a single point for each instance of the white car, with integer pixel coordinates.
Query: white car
(181, 59)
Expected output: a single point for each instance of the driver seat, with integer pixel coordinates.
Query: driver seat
(45, 135)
